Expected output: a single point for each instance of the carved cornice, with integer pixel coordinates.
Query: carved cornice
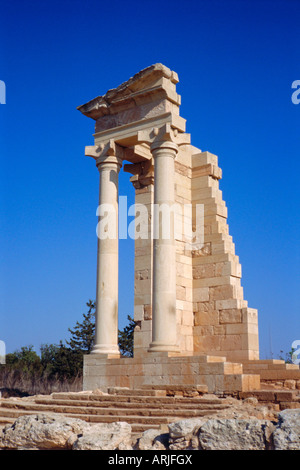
(152, 83)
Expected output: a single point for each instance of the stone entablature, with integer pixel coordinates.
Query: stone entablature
(188, 299)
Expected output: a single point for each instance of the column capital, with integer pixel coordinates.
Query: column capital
(164, 137)
(106, 153)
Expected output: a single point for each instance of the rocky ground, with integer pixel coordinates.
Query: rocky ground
(246, 425)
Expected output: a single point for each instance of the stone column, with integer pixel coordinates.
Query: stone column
(164, 250)
(106, 335)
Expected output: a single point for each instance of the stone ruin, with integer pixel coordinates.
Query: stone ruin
(194, 327)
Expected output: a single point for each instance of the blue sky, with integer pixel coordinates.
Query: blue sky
(236, 62)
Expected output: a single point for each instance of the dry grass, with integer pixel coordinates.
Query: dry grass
(14, 382)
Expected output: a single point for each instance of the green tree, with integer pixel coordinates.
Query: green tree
(25, 359)
(82, 338)
(125, 338)
(61, 362)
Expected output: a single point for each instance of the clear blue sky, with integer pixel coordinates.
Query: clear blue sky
(236, 61)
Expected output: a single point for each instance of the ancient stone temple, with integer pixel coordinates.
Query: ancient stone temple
(194, 326)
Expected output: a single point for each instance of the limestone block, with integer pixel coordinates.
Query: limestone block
(189, 343)
(185, 282)
(230, 315)
(250, 341)
(218, 238)
(206, 318)
(184, 259)
(203, 158)
(212, 259)
(183, 191)
(147, 312)
(205, 250)
(228, 268)
(201, 294)
(236, 329)
(211, 170)
(142, 274)
(189, 294)
(186, 330)
(182, 179)
(215, 209)
(144, 197)
(178, 317)
(249, 315)
(219, 330)
(180, 293)
(142, 286)
(207, 343)
(183, 159)
(224, 304)
(143, 262)
(221, 292)
(231, 342)
(225, 246)
(217, 281)
(187, 318)
(143, 299)
(138, 312)
(232, 368)
(206, 182)
(205, 306)
(204, 271)
(251, 328)
(216, 224)
(146, 325)
(206, 330)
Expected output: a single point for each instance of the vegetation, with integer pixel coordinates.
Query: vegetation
(288, 359)
(126, 338)
(58, 367)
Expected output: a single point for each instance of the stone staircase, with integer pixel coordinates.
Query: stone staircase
(273, 371)
(281, 399)
(143, 408)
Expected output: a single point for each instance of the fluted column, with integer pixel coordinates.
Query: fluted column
(164, 250)
(106, 334)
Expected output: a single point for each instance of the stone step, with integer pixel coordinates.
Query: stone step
(205, 404)
(273, 369)
(137, 427)
(173, 389)
(273, 396)
(112, 411)
(136, 392)
(278, 374)
(134, 399)
(131, 419)
(270, 367)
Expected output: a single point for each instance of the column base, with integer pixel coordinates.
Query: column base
(106, 350)
(156, 346)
